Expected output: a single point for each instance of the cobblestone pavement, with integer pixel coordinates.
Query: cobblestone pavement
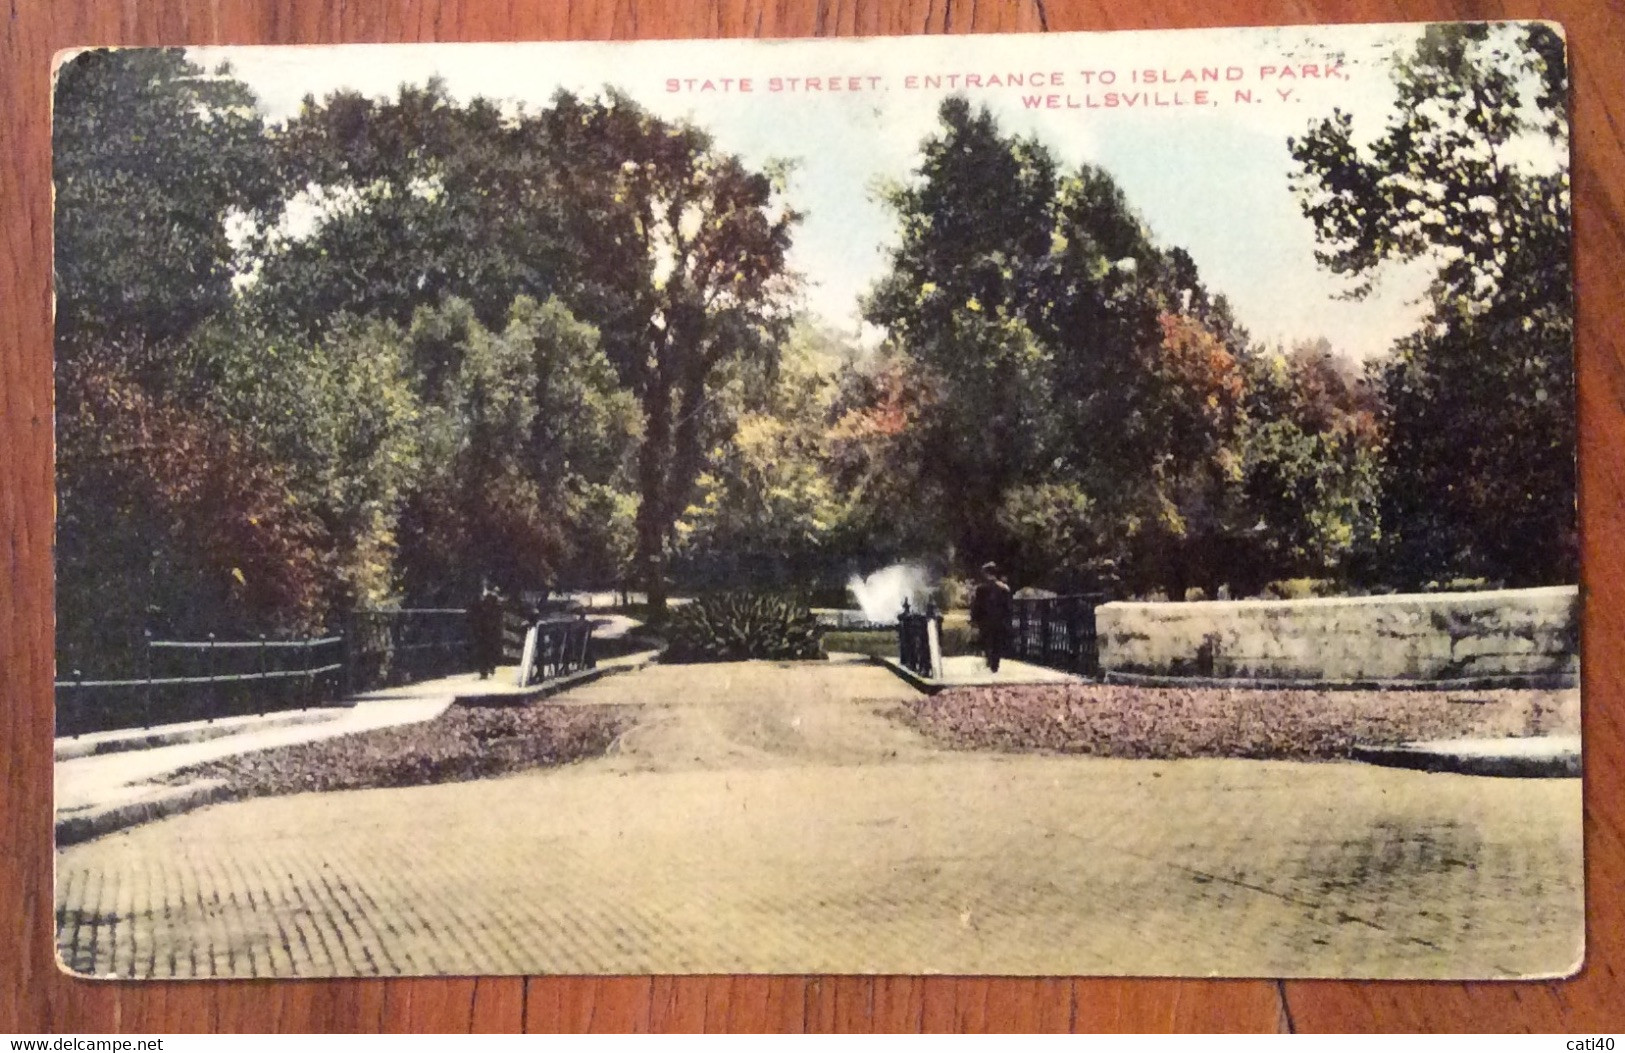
(773, 819)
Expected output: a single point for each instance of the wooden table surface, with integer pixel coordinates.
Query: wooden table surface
(34, 996)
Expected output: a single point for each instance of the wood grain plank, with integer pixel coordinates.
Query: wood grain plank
(898, 1004)
(1171, 1006)
(499, 1005)
(580, 1004)
(38, 997)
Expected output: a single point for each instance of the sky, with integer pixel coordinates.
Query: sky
(1209, 173)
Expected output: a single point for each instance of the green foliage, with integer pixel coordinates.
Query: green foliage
(961, 298)
(766, 507)
(735, 626)
(152, 158)
(187, 501)
(673, 250)
(880, 459)
(1301, 588)
(1477, 408)
(1054, 531)
(341, 416)
(1080, 389)
(415, 199)
(1311, 462)
(524, 435)
(600, 535)
(1446, 173)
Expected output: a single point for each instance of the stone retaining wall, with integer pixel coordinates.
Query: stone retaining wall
(1514, 635)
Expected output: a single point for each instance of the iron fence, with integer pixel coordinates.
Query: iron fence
(185, 680)
(561, 646)
(387, 647)
(1058, 632)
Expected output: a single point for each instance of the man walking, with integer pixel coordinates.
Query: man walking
(486, 634)
(990, 614)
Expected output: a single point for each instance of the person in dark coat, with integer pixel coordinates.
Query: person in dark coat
(485, 629)
(990, 613)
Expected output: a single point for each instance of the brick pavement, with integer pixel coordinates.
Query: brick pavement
(773, 819)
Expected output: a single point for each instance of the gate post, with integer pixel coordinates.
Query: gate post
(214, 688)
(146, 672)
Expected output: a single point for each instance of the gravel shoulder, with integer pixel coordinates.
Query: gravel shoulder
(1170, 723)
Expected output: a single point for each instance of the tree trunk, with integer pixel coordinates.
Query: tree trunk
(654, 458)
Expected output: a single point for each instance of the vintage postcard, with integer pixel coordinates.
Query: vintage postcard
(1040, 504)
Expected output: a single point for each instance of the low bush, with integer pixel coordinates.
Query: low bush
(1300, 588)
(957, 639)
(735, 626)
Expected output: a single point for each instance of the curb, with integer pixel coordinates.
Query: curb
(1520, 681)
(548, 688)
(913, 679)
(97, 744)
(1556, 762)
(110, 819)
(534, 692)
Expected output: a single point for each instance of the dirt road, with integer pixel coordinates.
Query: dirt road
(763, 818)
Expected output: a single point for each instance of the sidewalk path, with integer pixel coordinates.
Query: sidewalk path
(92, 790)
(772, 818)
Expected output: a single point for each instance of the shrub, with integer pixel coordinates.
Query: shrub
(733, 626)
(953, 594)
(1300, 588)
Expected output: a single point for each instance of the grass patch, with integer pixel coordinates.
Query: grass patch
(621, 646)
(958, 638)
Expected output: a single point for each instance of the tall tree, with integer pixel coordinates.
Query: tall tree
(1310, 450)
(766, 507)
(520, 428)
(339, 414)
(1080, 373)
(961, 297)
(165, 507)
(393, 204)
(154, 161)
(672, 249)
(1471, 174)
(687, 276)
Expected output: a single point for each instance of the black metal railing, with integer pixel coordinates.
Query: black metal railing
(1058, 632)
(390, 647)
(561, 646)
(186, 680)
(914, 639)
